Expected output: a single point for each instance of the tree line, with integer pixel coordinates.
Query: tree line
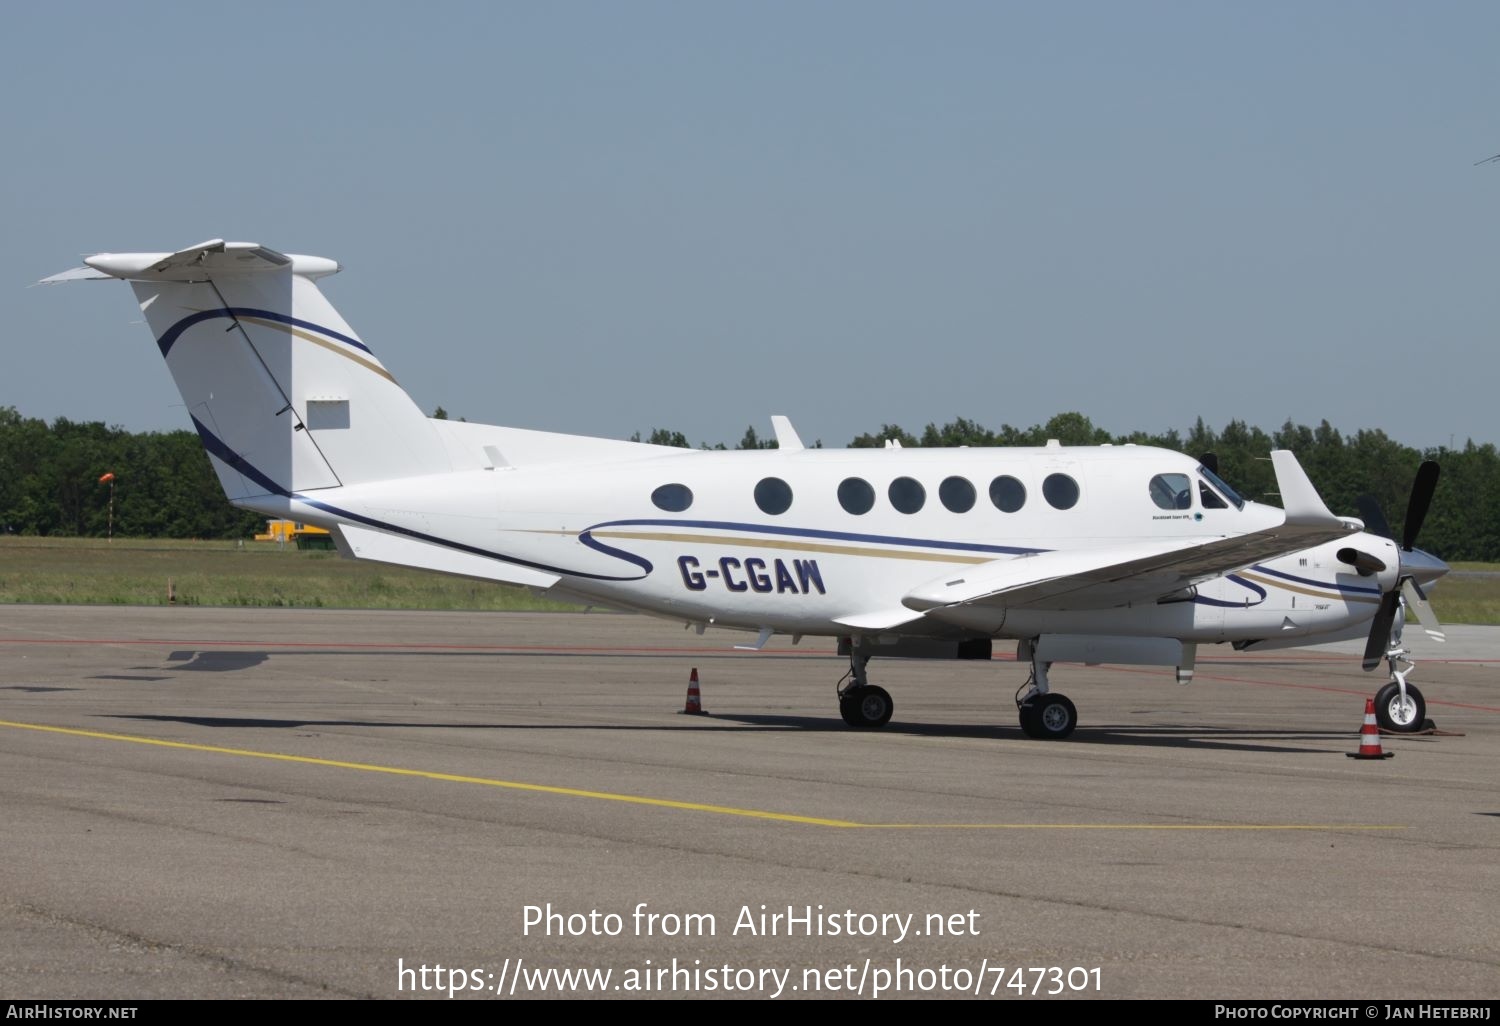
(166, 488)
(164, 485)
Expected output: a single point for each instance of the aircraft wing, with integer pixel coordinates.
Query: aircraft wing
(1105, 577)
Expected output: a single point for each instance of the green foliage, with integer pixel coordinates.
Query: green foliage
(661, 436)
(135, 571)
(753, 441)
(164, 484)
(166, 488)
(878, 440)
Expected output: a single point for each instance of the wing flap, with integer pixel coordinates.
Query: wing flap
(1064, 579)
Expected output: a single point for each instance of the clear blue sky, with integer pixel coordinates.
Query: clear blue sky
(608, 217)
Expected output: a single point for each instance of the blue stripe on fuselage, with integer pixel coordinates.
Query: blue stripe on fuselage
(807, 532)
(1334, 586)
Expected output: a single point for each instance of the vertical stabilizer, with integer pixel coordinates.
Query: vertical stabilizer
(285, 396)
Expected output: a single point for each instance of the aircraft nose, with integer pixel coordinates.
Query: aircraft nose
(1423, 567)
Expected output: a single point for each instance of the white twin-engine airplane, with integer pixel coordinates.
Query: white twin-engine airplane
(1107, 554)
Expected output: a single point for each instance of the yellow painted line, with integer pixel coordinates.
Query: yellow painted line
(1129, 826)
(664, 803)
(776, 543)
(454, 778)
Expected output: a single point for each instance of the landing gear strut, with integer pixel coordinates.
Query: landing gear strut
(1045, 714)
(862, 704)
(1399, 706)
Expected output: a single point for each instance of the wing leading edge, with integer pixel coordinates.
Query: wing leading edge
(1106, 577)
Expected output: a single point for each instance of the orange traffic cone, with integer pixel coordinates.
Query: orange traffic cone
(1369, 737)
(695, 700)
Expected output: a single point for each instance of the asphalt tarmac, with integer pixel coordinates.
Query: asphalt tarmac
(225, 803)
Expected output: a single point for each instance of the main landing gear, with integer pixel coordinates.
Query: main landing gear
(1045, 714)
(862, 704)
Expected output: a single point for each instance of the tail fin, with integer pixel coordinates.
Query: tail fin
(285, 396)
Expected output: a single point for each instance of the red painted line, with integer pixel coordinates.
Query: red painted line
(1285, 653)
(1463, 662)
(1349, 691)
(1310, 687)
(411, 646)
(659, 650)
(1294, 656)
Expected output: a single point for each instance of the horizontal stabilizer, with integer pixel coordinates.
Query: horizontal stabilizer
(76, 274)
(207, 260)
(382, 547)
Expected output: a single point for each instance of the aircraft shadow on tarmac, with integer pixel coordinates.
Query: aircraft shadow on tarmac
(232, 659)
(219, 661)
(1186, 737)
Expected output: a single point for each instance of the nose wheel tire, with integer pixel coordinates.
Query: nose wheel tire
(1393, 714)
(1049, 717)
(866, 707)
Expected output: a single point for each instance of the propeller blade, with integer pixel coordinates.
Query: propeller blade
(1211, 461)
(1374, 518)
(1416, 601)
(1364, 562)
(1421, 499)
(1380, 630)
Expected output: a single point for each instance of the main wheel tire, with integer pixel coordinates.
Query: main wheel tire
(866, 708)
(1392, 714)
(847, 710)
(1027, 716)
(1049, 717)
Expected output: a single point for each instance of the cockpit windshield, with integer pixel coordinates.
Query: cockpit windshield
(1223, 489)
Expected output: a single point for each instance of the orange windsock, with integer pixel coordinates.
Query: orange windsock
(107, 477)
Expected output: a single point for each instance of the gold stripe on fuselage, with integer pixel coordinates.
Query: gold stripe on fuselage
(794, 546)
(1328, 593)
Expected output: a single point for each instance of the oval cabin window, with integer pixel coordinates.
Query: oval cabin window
(907, 494)
(1060, 491)
(773, 496)
(674, 498)
(856, 495)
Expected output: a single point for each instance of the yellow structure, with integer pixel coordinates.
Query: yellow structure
(304, 536)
